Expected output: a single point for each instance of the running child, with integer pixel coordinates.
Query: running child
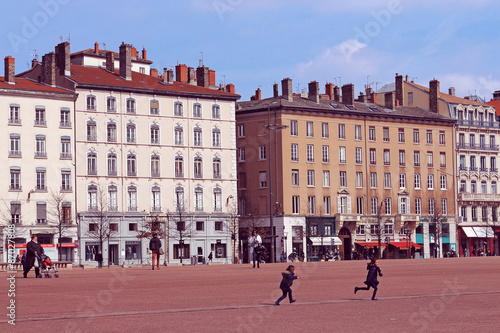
(286, 283)
(371, 278)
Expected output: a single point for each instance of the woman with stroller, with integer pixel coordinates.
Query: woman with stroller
(33, 253)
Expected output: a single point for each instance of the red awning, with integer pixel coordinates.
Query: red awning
(404, 245)
(371, 244)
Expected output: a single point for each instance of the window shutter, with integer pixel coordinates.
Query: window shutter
(338, 205)
(348, 205)
(41, 210)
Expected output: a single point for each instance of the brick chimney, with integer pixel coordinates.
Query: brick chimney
(63, 62)
(153, 72)
(49, 69)
(389, 100)
(399, 89)
(348, 94)
(10, 70)
(258, 94)
(144, 53)
(110, 61)
(181, 73)
(276, 92)
(434, 96)
(313, 93)
(336, 94)
(230, 88)
(287, 89)
(96, 48)
(362, 97)
(191, 76)
(329, 90)
(211, 77)
(134, 53)
(202, 76)
(373, 97)
(168, 76)
(451, 91)
(34, 62)
(126, 61)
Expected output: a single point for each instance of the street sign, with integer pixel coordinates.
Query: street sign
(219, 241)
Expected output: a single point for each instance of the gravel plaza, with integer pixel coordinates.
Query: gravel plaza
(427, 295)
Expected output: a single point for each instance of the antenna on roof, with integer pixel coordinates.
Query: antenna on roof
(202, 60)
(224, 76)
(412, 79)
(61, 38)
(104, 45)
(34, 54)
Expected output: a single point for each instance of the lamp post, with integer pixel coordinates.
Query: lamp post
(271, 127)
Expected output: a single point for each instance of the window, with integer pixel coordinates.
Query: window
(402, 158)
(483, 186)
(310, 153)
(241, 131)
(342, 155)
(91, 102)
(326, 154)
(474, 213)
(179, 166)
(410, 97)
(374, 205)
(493, 187)
(387, 157)
(442, 140)
(430, 162)
(111, 132)
(359, 179)
(492, 142)
(294, 130)
(473, 163)
(295, 177)
(66, 212)
(65, 180)
(358, 155)
(295, 152)
(218, 226)
(131, 165)
(401, 135)
(197, 112)
(216, 137)
(463, 213)
(357, 132)
(295, 204)
(311, 205)
(374, 229)
(416, 136)
(92, 163)
(65, 118)
(309, 129)
(431, 206)
(429, 137)
(131, 137)
(178, 109)
(418, 206)
(132, 198)
(41, 179)
(262, 179)
(41, 212)
(310, 177)
(341, 131)
(179, 198)
(402, 180)
(444, 206)
(262, 152)
(443, 182)
(360, 230)
(327, 205)
(388, 207)
(112, 164)
(472, 139)
(155, 199)
(324, 131)
(442, 160)
(217, 199)
(197, 136)
(15, 145)
(112, 198)
(154, 107)
(111, 104)
(178, 135)
(493, 164)
(344, 205)
(155, 166)
(373, 179)
(241, 154)
(40, 146)
(326, 178)
(216, 166)
(15, 117)
(387, 180)
(417, 181)
(463, 186)
(389, 229)
(215, 111)
(92, 197)
(371, 133)
(482, 143)
(343, 179)
(473, 186)
(198, 199)
(430, 182)
(155, 134)
(373, 156)
(403, 205)
(359, 205)
(200, 226)
(385, 134)
(40, 119)
(416, 158)
(198, 167)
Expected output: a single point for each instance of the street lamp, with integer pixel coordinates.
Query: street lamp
(271, 127)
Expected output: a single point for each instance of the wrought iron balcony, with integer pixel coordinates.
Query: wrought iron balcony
(474, 146)
(476, 123)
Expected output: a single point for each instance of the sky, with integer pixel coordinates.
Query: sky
(255, 43)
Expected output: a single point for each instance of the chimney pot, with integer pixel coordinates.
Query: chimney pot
(49, 69)
(399, 89)
(275, 90)
(144, 53)
(110, 61)
(134, 53)
(389, 100)
(287, 89)
(62, 58)
(203, 76)
(126, 61)
(230, 88)
(373, 97)
(10, 70)
(211, 77)
(329, 90)
(153, 72)
(348, 94)
(191, 76)
(96, 48)
(313, 94)
(434, 96)
(336, 94)
(181, 73)
(362, 97)
(451, 91)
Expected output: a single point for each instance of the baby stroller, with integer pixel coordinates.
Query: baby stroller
(47, 265)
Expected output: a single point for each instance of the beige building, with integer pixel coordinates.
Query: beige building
(339, 163)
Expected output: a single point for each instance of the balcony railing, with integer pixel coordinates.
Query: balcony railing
(112, 172)
(474, 146)
(156, 209)
(15, 188)
(112, 208)
(476, 123)
(40, 123)
(65, 155)
(14, 121)
(92, 137)
(66, 188)
(40, 154)
(15, 153)
(479, 197)
(132, 208)
(132, 173)
(65, 124)
(155, 174)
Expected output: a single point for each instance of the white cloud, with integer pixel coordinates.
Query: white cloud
(466, 84)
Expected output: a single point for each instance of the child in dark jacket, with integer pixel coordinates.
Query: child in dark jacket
(286, 283)
(371, 278)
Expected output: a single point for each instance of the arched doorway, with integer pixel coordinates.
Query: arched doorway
(345, 248)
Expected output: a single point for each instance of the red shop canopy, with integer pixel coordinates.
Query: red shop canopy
(371, 244)
(405, 245)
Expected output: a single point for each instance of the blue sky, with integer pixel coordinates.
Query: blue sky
(254, 43)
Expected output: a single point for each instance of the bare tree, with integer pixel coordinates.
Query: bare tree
(60, 217)
(493, 224)
(179, 224)
(377, 229)
(11, 215)
(437, 229)
(233, 227)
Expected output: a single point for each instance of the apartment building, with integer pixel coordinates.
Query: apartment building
(477, 148)
(339, 166)
(150, 150)
(37, 189)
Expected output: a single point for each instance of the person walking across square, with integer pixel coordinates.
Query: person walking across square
(155, 246)
(255, 241)
(371, 278)
(286, 284)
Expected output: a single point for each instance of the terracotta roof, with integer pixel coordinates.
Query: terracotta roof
(27, 84)
(449, 98)
(95, 77)
(496, 104)
(327, 105)
(102, 53)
